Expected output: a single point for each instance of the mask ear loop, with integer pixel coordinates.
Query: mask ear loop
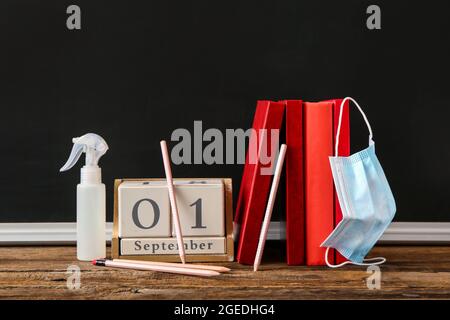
(341, 108)
(378, 261)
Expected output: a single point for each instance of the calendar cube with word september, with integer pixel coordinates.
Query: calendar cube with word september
(143, 226)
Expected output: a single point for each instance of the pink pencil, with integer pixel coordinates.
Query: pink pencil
(176, 265)
(269, 208)
(160, 268)
(173, 202)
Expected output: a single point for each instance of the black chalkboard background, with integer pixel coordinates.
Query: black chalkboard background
(137, 70)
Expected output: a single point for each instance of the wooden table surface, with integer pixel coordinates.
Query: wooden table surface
(410, 273)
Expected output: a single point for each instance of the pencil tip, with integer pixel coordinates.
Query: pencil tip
(99, 262)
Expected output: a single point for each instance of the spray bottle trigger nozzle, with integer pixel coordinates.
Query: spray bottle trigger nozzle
(92, 144)
(75, 154)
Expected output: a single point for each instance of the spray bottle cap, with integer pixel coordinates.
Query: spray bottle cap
(95, 147)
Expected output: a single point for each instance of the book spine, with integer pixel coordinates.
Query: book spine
(295, 198)
(258, 184)
(343, 150)
(249, 168)
(319, 189)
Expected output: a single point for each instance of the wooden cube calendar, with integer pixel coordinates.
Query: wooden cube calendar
(200, 207)
(143, 230)
(142, 209)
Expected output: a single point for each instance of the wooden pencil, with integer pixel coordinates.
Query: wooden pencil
(177, 265)
(173, 202)
(269, 208)
(159, 268)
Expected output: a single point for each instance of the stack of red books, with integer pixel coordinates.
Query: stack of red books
(312, 208)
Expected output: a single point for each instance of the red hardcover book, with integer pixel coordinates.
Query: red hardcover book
(256, 184)
(343, 150)
(249, 168)
(295, 201)
(319, 189)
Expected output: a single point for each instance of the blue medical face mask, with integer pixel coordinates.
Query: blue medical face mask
(366, 200)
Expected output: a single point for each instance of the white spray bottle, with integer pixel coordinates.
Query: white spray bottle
(91, 202)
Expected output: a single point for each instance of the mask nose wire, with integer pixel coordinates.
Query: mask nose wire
(341, 108)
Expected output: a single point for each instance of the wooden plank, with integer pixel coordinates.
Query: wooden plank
(410, 273)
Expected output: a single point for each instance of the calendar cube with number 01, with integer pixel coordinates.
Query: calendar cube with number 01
(143, 228)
